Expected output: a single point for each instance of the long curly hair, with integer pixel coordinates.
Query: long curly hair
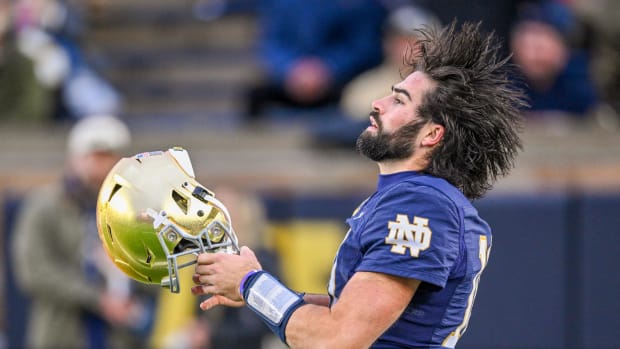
(474, 100)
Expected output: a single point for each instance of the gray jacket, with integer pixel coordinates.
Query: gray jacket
(48, 263)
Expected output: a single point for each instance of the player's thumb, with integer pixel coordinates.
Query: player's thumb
(250, 257)
(246, 252)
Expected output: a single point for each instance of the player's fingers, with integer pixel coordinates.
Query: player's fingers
(219, 300)
(208, 304)
(203, 289)
(200, 279)
(206, 258)
(203, 269)
(197, 290)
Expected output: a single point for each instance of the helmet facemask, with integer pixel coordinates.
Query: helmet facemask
(216, 237)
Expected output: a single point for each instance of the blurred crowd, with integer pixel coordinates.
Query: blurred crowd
(564, 52)
(314, 57)
(45, 71)
(320, 59)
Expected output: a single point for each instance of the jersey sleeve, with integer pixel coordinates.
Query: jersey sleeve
(414, 232)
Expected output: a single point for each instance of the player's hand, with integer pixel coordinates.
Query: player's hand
(220, 275)
(214, 301)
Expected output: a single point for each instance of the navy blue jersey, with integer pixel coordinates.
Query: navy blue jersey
(420, 227)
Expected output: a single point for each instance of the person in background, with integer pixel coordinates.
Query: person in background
(308, 50)
(50, 34)
(601, 19)
(24, 98)
(556, 76)
(78, 298)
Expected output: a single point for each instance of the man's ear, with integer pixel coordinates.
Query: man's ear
(433, 134)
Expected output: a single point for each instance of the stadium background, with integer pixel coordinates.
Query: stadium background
(553, 280)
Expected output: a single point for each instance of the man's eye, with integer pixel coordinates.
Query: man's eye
(398, 101)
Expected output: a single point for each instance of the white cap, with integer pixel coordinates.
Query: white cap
(98, 133)
(405, 19)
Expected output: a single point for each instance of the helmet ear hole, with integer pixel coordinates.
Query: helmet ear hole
(149, 256)
(180, 201)
(115, 190)
(109, 230)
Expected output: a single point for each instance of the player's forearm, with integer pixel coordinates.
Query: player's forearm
(317, 327)
(368, 305)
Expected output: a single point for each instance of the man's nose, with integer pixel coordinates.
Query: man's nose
(377, 106)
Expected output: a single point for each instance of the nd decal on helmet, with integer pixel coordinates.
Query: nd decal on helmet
(153, 217)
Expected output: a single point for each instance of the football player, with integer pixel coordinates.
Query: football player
(407, 272)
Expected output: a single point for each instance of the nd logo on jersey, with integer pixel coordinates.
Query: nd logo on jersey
(403, 235)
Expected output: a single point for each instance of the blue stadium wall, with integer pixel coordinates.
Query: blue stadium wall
(552, 281)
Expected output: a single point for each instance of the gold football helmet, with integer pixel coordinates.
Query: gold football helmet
(153, 217)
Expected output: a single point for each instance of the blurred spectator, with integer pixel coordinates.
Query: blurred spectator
(78, 298)
(310, 49)
(23, 97)
(398, 36)
(602, 18)
(48, 33)
(556, 74)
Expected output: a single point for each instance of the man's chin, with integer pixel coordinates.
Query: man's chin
(368, 146)
(370, 132)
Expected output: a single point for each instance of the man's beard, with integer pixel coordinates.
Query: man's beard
(388, 147)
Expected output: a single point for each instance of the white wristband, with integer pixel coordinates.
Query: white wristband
(270, 298)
